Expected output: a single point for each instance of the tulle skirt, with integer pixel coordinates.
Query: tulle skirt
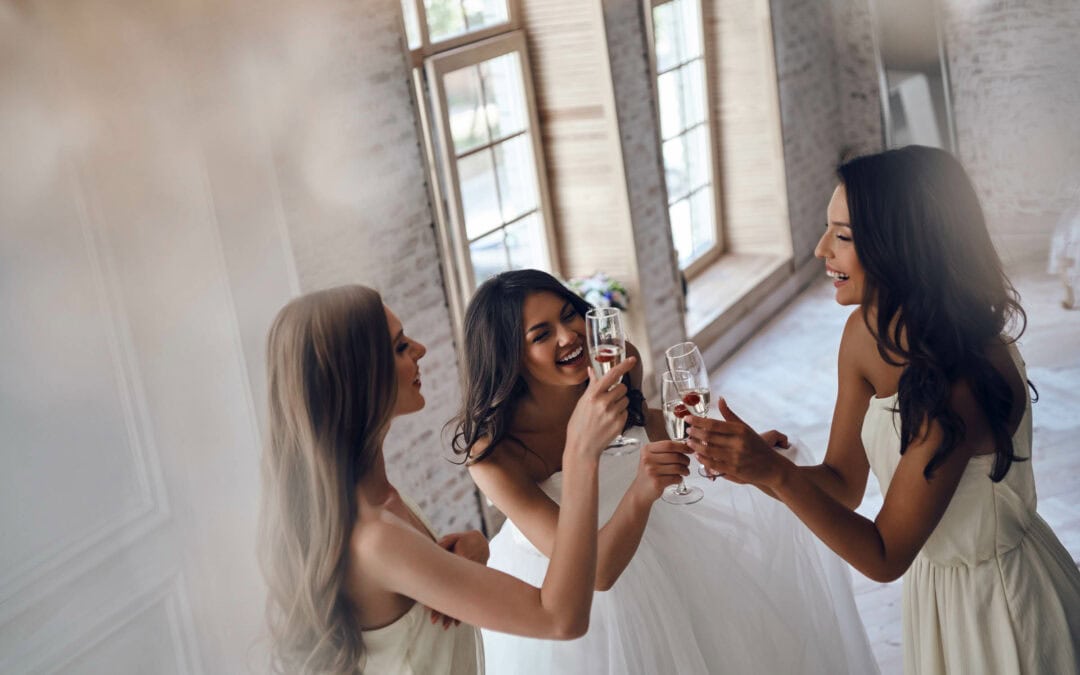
(732, 584)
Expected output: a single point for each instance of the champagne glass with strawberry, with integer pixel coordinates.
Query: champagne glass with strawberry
(694, 390)
(607, 348)
(672, 383)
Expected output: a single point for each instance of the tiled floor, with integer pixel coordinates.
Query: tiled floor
(785, 378)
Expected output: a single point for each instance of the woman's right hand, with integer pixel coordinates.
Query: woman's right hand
(600, 413)
(662, 463)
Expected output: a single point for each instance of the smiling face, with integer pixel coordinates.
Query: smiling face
(837, 249)
(555, 348)
(407, 355)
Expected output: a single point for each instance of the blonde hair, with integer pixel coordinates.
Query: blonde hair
(332, 388)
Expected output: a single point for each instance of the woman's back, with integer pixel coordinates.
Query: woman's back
(992, 589)
(412, 644)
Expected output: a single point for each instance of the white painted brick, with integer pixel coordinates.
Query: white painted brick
(376, 228)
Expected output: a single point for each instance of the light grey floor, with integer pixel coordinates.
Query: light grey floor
(785, 378)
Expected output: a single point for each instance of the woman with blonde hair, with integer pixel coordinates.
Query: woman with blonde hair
(350, 563)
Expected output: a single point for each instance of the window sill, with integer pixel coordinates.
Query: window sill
(728, 290)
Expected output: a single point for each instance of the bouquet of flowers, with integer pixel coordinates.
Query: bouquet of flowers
(600, 290)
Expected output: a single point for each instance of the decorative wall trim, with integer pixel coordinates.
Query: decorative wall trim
(67, 559)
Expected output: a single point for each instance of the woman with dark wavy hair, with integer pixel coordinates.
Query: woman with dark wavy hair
(733, 583)
(352, 566)
(933, 398)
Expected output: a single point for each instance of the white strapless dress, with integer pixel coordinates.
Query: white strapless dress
(992, 590)
(732, 584)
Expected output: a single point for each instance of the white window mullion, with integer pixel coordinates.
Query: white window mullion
(490, 196)
(679, 61)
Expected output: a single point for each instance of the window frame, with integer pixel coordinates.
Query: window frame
(456, 239)
(428, 48)
(714, 252)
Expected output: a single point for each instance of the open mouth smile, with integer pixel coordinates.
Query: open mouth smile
(572, 358)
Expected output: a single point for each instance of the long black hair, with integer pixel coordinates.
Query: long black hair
(940, 293)
(494, 348)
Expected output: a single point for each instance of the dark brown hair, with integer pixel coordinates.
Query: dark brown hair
(938, 287)
(494, 346)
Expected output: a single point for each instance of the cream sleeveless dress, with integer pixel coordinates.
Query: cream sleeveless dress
(993, 590)
(413, 645)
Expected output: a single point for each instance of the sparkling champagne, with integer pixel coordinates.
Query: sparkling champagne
(675, 413)
(606, 357)
(697, 401)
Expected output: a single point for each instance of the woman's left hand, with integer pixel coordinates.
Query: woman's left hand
(472, 545)
(732, 449)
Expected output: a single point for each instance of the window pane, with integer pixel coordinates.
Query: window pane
(692, 77)
(665, 40)
(675, 169)
(467, 124)
(690, 27)
(667, 86)
(504, 92)
(703, 215)
(699, 169)
(525, 242)
(478, 197)
(412, 23)
(488, 256)
(445, 19)
(483, 13)
(681, 231)
(516, 173)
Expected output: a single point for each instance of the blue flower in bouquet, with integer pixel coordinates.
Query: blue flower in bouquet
(600, 290)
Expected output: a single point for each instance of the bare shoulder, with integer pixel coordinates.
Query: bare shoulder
(857, 345)
(369, 538)
(855, 328)
(383, 539)
(504, 460)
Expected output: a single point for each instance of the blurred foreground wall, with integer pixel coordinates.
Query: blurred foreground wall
(172, 172)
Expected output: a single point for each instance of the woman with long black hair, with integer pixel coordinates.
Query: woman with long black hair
(933, 397)
(730, 584)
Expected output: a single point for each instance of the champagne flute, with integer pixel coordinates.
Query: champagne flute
(695, 390)
(672, 384)
(607, 347)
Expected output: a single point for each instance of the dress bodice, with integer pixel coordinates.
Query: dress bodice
(615, 476)
(983, 518)
(734, 583)
(412, 645)
(992, 590)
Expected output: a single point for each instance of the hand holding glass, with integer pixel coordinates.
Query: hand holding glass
(675, 413)
(695, 391)
(607, 347)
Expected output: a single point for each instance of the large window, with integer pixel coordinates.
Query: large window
(685, 130)
(473, 81)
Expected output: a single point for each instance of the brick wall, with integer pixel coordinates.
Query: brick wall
(829, 103)
(857, 90)
(1015, 71)
(357, 210)
(810, 114)
(660, 293)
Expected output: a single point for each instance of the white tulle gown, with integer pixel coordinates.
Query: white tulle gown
(731, 584)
